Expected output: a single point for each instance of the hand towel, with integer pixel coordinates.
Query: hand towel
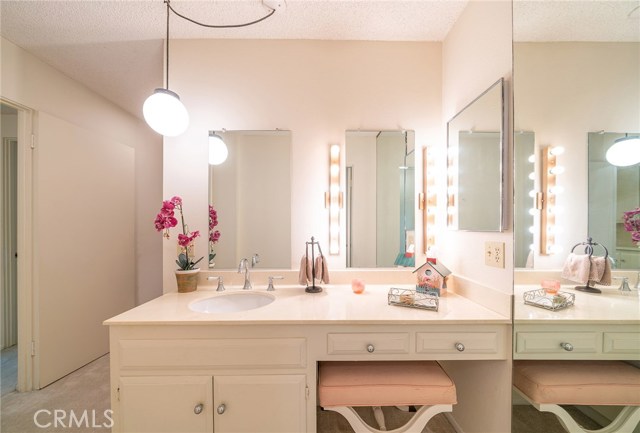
(606, 275)
(304, 276)
(318, 268)
(576, 268)
(325, 271)
(596, 268)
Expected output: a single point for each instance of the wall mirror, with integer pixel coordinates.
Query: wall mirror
(251, 195)
(613, 190)
(474, 171)
(380, 197)
(564, 88)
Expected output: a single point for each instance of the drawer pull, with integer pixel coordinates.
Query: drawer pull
(567, 346)
(198, 409)
(370, 348)
(459, 347)
(221, 409)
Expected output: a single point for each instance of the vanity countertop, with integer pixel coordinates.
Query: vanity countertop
(336, 304)
(609, 307)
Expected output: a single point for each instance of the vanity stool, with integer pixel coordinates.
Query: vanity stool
(345, 385)
(548, 384)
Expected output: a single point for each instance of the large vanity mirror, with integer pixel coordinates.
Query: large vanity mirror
(571, 82)
(380, 196)
(474, 171)
(250, 193)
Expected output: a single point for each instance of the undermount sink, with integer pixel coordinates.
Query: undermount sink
(232, 302)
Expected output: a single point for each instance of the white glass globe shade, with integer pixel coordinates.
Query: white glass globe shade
(165, 113)
(218, 151)
(624, 152)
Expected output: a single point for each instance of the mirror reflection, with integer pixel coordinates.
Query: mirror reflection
(380, 186)
(250, 194)
(524, 190)
(474, 173)
(613, 190)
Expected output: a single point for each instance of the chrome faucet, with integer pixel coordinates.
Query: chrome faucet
(244, 266)
(637, 285)
(624, 286)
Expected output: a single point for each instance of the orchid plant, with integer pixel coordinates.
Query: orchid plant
(631, 220)
(165, 220)
(214, 235)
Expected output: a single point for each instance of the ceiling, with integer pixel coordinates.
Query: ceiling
(115, 47)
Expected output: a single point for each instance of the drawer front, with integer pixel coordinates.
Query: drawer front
(621, 343)
(203, 353)
(457, 342)
(368, 343)
(558, 343)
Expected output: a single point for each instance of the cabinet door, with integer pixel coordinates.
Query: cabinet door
(165, 404)
(260, 403)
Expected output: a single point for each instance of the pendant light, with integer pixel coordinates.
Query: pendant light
(163, 111)
(625, 151)
(218, 151)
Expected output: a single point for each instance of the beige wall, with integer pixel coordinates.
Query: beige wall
(475, 54)
(563, 91)
(316, 89)
(32, 83)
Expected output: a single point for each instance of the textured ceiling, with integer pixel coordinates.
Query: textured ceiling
(115, 47)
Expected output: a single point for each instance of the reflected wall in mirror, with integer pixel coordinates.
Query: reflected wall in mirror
(612, 191)
(524, 196)
(251, 194)
(474, 172)
(380, 197)
(565, 85)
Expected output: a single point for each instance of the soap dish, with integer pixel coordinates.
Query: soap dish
(413, 299)
(539, 298)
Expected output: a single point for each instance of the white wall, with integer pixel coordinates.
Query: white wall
(564, 91)
(476, 53)
(30, 82)
(316, 89)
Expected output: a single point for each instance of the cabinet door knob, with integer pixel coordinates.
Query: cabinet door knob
(198, 409)
(370, 348)
(459, 347)
(567, 346)
(221, 409)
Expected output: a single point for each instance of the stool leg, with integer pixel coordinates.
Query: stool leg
(379, 416)
(415, 425)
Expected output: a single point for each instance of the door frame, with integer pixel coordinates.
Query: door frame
(27, 374)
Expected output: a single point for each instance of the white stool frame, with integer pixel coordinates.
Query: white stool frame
(625, 422)
(415, 425)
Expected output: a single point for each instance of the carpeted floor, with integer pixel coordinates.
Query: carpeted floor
(87, 389)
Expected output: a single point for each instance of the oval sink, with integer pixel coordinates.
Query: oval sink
(232, 302)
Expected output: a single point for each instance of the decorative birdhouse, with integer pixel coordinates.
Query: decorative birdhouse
(431, 277)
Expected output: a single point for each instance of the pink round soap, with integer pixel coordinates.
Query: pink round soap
(357, 285)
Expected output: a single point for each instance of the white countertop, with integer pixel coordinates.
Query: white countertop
(336, 304)
(609, 307)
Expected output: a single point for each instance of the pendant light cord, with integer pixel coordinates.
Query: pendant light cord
(167, 44)
(220, 26)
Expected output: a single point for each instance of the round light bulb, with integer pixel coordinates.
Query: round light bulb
(218, 151)
(164, 113)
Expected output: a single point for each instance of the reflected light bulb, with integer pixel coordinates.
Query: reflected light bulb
(218, 151)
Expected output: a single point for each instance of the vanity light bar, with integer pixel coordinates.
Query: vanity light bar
(429, 198)
(333, 199)
(546, 200)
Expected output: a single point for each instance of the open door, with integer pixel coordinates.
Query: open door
(84, 246)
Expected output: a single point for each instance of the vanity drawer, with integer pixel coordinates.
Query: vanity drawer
(457, 342)
(556, 343)
(621, 343)
(368, 343)
(205, 353)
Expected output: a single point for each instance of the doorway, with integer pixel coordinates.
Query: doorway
(9, 250)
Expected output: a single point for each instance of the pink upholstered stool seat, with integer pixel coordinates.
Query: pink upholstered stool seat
(549, 384)
(343, 385)
(593, 383)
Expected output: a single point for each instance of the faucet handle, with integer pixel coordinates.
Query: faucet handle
(255, 260)
(220, 282)
(624, 285)
(270, 287)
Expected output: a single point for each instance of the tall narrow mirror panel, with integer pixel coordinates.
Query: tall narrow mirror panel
(250, 193)
(380, 197)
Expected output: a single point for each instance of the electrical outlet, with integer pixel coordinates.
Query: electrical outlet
(494, 254)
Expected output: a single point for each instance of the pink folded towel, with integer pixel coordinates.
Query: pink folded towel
(322, 271)
(600, 271)
(577, 268)
(304, 276)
